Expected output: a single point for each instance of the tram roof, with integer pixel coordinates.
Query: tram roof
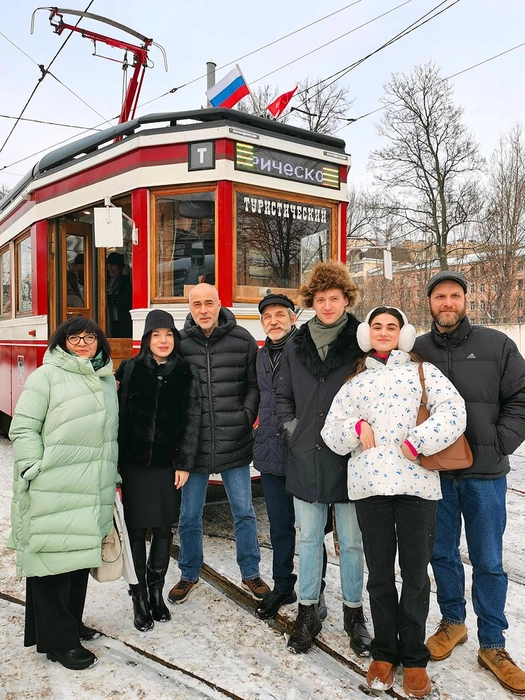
(178, 121)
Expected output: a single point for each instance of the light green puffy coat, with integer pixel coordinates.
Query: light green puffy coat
(64, 435)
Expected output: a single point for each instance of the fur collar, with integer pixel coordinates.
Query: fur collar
(343, 351)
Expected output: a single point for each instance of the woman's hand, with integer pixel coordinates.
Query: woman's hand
(367, 436)
(407, 452)
(181, 478)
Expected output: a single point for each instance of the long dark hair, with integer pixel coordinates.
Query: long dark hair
(144, 346)
(76, 325)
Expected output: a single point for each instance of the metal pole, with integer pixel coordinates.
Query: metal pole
(210, 77)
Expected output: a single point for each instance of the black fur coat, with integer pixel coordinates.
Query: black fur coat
(305, 390)
(161, 419)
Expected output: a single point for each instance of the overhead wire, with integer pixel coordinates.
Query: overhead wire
(44, 72)
(48, 123)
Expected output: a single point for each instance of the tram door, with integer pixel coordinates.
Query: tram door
(76, 265)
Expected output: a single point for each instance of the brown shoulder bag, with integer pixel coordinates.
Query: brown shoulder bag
(455, 456)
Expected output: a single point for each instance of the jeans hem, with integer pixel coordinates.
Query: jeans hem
(308, 602)
(492, 646)
(353, 606)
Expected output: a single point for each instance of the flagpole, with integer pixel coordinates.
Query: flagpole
(255, 103)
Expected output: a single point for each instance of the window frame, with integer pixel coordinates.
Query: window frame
(16, 286)
(7, 249)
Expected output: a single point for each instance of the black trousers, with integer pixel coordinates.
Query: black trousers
(406, 524)
(54, 608)
(281, 515)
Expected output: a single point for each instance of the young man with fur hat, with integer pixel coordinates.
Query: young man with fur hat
(314, 365)
(489, 373)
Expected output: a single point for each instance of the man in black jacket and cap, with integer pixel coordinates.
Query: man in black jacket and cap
(224, 356)
(489, 373)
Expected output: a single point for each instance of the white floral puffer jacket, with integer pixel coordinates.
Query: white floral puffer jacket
(388, 396)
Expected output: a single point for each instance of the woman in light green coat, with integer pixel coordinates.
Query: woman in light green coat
(64, 435)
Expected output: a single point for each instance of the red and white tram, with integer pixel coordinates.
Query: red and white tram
(213, 195)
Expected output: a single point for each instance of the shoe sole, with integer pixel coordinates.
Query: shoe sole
(418, 693)
(52, 658)
(484, 665)
(183, 600)
(449, 653)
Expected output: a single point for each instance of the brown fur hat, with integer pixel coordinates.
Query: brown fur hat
(328, 275)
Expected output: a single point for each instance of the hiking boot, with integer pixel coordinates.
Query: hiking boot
(445, 638)
(498, 662)
(355, 627)
(270, 604)
(416, 682)
(380, 675)
(306, 627)
(321, 607)
(255, 587)
(181, 591)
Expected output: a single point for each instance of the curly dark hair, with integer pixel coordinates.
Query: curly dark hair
(79, 324)
(328, 275)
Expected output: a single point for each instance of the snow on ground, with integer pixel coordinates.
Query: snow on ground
(214, 639)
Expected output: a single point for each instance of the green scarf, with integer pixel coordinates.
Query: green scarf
(97, 361)
(323, 335)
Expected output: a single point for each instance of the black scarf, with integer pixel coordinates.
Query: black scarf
(275, 350)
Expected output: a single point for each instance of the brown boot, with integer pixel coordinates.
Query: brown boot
(445, 638)
(380, 675)
(416, 682)
(498, 662)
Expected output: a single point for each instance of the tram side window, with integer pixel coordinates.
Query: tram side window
(279, 240)
(24, 281)
(5, 291)
(184, 241)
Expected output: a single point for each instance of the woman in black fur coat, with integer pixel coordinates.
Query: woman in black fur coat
(158, 438)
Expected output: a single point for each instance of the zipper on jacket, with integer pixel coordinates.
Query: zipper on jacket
(212, 426)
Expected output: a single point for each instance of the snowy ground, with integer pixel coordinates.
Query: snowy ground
(213, 648)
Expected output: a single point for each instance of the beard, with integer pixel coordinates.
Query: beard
(450, 319)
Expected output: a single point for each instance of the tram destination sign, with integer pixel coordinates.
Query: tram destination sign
(287, 166)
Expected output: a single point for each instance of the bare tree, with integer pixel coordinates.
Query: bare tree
(429, 168)
(3, 191)
(503, 229)
(320, 106)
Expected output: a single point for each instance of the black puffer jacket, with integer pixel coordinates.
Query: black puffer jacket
(161, 418)
(230, 397)
(488, 371)
(305, 391)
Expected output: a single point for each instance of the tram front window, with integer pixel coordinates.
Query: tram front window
(185, 241)
(279, 240)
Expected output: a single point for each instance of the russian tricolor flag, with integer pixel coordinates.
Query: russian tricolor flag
(228, 91)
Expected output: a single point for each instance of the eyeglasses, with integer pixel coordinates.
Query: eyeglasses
(88, 339)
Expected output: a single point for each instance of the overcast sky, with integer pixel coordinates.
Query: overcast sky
(195, 32)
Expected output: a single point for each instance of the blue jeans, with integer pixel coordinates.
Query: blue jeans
(482, 504)
(311, 521)
(237, 484)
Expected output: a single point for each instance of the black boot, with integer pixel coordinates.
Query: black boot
(355, 627)
(138, 592)
(307, 625)
(158, 562)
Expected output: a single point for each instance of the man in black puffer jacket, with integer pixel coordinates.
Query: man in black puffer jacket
(224, 355)
(489, 373)
(315, 364)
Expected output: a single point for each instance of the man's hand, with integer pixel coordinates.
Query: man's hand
(181, 478)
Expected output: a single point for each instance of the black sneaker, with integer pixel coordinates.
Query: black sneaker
(256, 587)
(181, 591)
(270, 604)
(75, 659)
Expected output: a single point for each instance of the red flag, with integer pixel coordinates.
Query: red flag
(278, 106)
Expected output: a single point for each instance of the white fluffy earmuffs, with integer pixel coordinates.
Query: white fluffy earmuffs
(407, 334)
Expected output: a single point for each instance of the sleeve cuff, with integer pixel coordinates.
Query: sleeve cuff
(358, 427)
(411, 448)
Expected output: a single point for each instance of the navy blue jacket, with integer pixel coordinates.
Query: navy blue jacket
(269, 452)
